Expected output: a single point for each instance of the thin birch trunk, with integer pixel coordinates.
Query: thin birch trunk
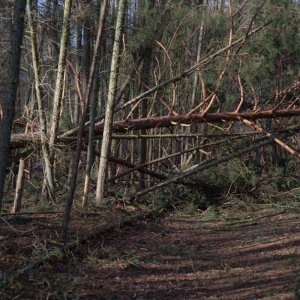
(199, 48)
(77, 107)
(42, 119)
(197, 74)
(88, 93)
(144, 108)
(59, 78)
(19, 187)
(110, 102)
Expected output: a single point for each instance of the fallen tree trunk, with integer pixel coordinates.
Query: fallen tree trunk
(278, 141)
(123, 126)
(170, 121)
(201, 167)
(142, 166)
(200, 64)
(141, 169)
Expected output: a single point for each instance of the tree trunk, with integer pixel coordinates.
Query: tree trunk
(110, 102)
(202, 166)
(42, 119)
(77, 103)
(8, 98)
(90, 155)
(20, 140)
(199, 48)
(76, 159)
(19, 187)
(144, 109)
(59, 78)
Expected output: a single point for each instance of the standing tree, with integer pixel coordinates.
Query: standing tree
(112, 91)
(8, 98)
(42, 119)
(57, 100)
(88, 94)
(76, 159)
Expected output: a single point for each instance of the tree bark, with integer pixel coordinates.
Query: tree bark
(144, 109)
(19, 188)
(171, 121)
(7, 103)
(199, 49)
(42, 119)
(19, 140)
(59, 77)
(93, 103)
(110, 102)
(76, 159)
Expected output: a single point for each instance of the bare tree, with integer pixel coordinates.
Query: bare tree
(59, 78)
(76, 159)
(93, 103)
(8, 98)
(42, 119)
(19, 187)
(110, 102)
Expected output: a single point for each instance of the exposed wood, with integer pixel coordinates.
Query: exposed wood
(276, 139)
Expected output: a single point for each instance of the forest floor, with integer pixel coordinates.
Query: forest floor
(212, 255)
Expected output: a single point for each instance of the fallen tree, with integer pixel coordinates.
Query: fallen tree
(123, 126)
(170, 121)
(201, 167)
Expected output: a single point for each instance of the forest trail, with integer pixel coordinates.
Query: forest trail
(206, 256)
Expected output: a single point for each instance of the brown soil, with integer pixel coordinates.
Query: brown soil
(178, 257)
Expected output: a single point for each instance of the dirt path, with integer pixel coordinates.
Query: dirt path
(179, 257)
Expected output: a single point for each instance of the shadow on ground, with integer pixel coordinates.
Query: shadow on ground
(179, 257)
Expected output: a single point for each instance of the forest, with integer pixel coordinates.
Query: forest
(150, 149)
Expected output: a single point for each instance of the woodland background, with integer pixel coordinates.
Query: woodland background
(202, 95)
(167, 132)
